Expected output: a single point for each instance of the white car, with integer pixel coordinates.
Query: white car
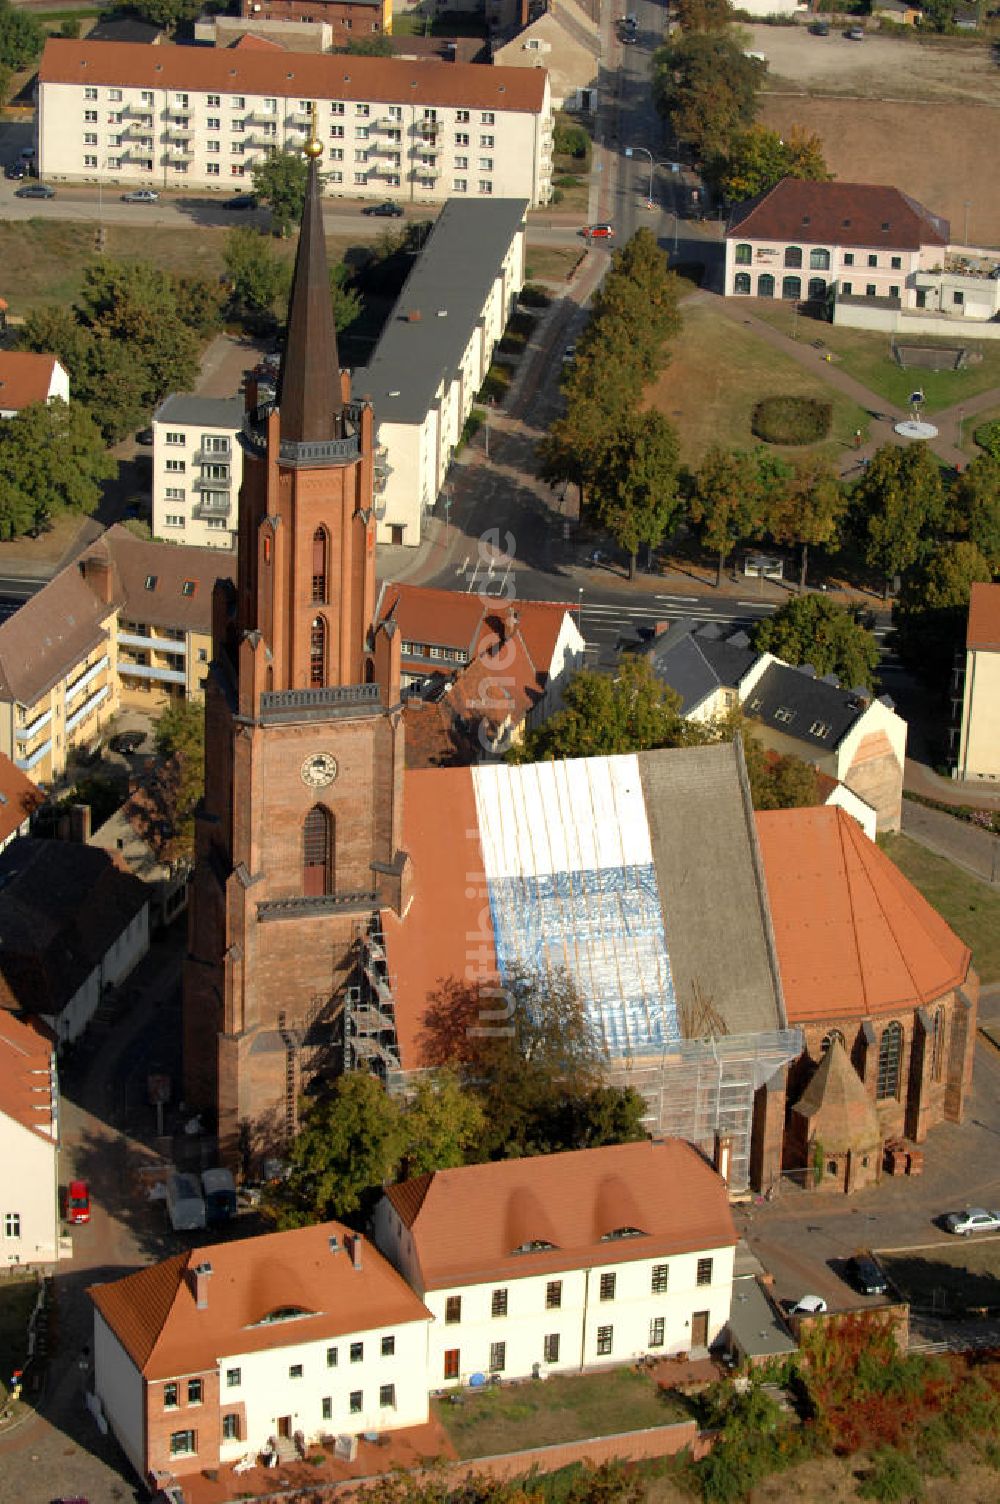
(141, 196)
(976, 1219)
(810, 1305)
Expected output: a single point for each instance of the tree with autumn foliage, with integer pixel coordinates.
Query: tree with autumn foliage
(758, 158)
(634, 490)
(726, 501)
(897, 508)
(807, 510)
(163, 806)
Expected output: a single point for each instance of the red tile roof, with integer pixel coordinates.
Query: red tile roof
(27, 1089)
(445, 937)
(468, 1223)
(18, 798)
(297, 75)
(24, 378)
(863, 214)
(154, 1315)
(854, 936)
(984, 618)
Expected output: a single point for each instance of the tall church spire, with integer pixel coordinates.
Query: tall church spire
(309, 393)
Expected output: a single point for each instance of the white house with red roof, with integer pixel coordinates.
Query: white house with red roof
(976, 689)
(564, 1261)
(19, 798)
(29, 1144)
(27, 377)
(220, 1352)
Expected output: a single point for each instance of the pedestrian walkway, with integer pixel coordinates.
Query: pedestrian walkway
(975, 850)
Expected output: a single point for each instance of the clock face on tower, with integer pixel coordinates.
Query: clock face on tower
(318, 770)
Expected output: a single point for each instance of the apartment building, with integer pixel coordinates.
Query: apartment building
(976, 689)
(566, 1261)
(197, 470)
(128, 623)
(194, 118)
(359, 18)
(29, 1144)
(434, 353)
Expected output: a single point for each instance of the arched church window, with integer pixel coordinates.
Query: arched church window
(890, 1058)
(317, 852)
(320, 562)
(937, 1045)
(317, 652)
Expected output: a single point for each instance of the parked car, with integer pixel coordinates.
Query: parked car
(820, 28)
(15, 171)
(569, 355)
(855, 33)
(389, 210)
(241, 201)
(219, 1189)
(35, 190)
(598, 232)
(974, 1219)
(127, 741)
(865, 1275)
(809, 1305)
(77, 1202)
(27, 153)
(144, 436)
(185, 1204)
(141, 196)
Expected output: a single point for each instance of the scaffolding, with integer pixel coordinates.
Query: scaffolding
(370, 1041)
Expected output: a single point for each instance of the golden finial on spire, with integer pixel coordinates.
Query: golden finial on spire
(314, 146)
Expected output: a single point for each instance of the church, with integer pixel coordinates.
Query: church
(348, 913)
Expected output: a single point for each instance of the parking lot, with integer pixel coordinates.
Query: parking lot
(880, 67)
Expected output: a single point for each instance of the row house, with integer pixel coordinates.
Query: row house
(565, 1261)
(189, 117)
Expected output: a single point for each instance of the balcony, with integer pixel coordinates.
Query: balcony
(424, 173)
(206, 483)
(137, 112)
(259, 141)
(27, 763)
(137, 151)
(141, 126)
(178, 153)
(148, 671)
(213, 456)
(298, 120)
(261, 117)
(29, 732)
(211, 507)
(158, 644)
(85, 678)
(179, 129)
(87, 708)
(427, 129)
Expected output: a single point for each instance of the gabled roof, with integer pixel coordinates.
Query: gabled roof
(24, 378)
(796, 703)
(854, 936)
(984, 618)
(863, 214)
(27, 1076)
(838, 1109)
(183, 578)
(695, 660)
(296, 75)
(155, 1317)
(62, 906)
(468, 623)
(468, 1224)
(19, 797)
(51, 632)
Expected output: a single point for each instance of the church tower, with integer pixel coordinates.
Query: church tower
(298, 838)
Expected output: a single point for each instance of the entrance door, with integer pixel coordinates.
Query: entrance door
(699, 1329)
(285, 1426)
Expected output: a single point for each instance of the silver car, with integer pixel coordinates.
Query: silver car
(976, 1219)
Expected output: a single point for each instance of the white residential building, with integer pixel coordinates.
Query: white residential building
(29, 1145)
(565, 1261)
(435, 352)
(205, 1358)
(199, 117)
(197, 470)
(27, 377)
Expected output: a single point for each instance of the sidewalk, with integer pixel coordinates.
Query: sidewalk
(976, 851)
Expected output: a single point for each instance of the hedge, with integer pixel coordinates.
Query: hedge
(791, 420)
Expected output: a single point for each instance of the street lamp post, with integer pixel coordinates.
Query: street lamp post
(579, 612)
(629, 150)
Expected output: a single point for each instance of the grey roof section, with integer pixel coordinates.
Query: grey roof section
(125, 29)
(453, 275)
(695, 661)
(793, 701)
(712, 895)
(213, 412)
(755, 1328)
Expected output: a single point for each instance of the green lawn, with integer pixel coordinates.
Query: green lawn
(550, 263)
(718, 370)
(865, 355)
(17, 1299)
(447, 23)
(563, 1408)
(970, 907)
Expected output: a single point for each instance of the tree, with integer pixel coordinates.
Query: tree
(256, 276)
(896, 507)
(639, 293)
(726, 501)
(56, 330)
(6, 79)
(814, 629)
(199, 303)
(442, 1123)
(602, 715)
(635, 489)
(377, 46)
(759, 158)
(279, 181)
(162, 808)
(22, 37)
(707, 88)
(170, 14)
(975, 506)
(52, 460)
(346, 302)
(347, 1149)
(807, 509)
(930, 614)
(703, 15)
(776, 781)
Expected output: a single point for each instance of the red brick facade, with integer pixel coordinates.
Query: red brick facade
(359, 20)
(172, 1411)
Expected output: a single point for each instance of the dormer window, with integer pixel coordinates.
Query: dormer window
(820, 728)
(535, 1245)
(282, 1313)
(784, 716)
(622, 1232)
(150, 582)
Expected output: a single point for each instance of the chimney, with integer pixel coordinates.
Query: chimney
(79, 823)
(334, 1244)
(510, 624)
(202, 1275)
(354, 1248)
(525, 11)
(723, 1155)
(97, 573)
(661, 627)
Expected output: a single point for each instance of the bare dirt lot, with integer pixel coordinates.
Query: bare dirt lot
(922, 116)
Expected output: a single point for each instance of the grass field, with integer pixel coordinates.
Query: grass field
(865, 356)
(719, 369)
(560, 1409)
(43, 260)
(550, 263)
(962, 1276)
(970, 907)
